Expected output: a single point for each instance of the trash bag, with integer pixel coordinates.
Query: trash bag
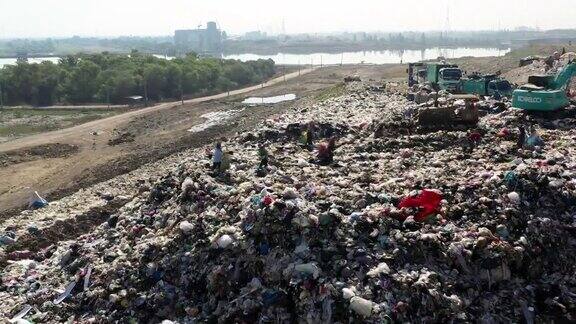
(428, 201)
(36, 202)
(534, 141)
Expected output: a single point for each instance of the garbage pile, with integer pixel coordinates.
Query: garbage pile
(401, 227)
(520, 75)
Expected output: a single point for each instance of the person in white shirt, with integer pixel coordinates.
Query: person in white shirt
(217, 157)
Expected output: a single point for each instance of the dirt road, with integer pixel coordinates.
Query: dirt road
(61, 162)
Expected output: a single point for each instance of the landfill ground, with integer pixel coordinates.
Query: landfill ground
(145, 231)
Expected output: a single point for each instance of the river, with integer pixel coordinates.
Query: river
(366, 57)
(373, 57)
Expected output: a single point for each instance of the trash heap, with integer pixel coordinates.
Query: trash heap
(520, 75)
(324, 244)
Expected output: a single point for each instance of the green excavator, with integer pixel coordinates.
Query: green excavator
(545, 92)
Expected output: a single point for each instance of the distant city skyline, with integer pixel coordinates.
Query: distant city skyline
(107, 18)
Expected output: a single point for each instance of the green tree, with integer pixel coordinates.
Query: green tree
(240, 73)
(112, 77)
(173, 81)
(155, 81)
(82, 84)
(46, 84)
(223, 84)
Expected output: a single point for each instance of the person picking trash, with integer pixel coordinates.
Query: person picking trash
(217, 157)
(263, 155)
(326, 152)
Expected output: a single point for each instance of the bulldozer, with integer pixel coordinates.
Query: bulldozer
(545, 93)
(458, 111)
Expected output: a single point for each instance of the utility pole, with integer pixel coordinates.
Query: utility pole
(145, 92)
(1, 96)
(181, 91)
(108, 95)
(342, 59)
(320, 61)
(284, 72)
(298, 67)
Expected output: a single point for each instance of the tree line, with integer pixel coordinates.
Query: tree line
(103, 78)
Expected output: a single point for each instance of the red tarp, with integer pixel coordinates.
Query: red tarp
(428, 201)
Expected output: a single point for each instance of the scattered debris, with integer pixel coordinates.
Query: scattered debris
(65, 293)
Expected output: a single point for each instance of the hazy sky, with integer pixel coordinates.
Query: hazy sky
(43, 18)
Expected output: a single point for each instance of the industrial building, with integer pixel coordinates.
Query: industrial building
(208, 40)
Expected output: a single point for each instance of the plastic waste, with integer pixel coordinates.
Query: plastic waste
(514, 197)
(348, 293)
(382, 268)
(65, 293)
(21, 314)
(308, 269)
(36, 202)
(186, 227)
(224, 241)
(362, 307)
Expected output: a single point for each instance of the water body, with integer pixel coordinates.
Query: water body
(372, 57)
(366, 57)
(12, 61)
(253, 101)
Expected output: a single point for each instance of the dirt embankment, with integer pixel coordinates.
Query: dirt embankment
(27, 154)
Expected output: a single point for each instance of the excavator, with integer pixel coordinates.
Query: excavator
(545, 93)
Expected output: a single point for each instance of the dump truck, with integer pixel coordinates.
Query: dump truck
(545, 92)
(486, 85)
(439, 75)
(458, 111)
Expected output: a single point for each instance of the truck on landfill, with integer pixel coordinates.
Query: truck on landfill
(486, 85)
(448, 77)
(545, 93)
(439, 75)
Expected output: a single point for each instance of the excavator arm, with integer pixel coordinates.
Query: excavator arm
(564, 77)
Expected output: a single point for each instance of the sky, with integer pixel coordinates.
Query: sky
(63, 18)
